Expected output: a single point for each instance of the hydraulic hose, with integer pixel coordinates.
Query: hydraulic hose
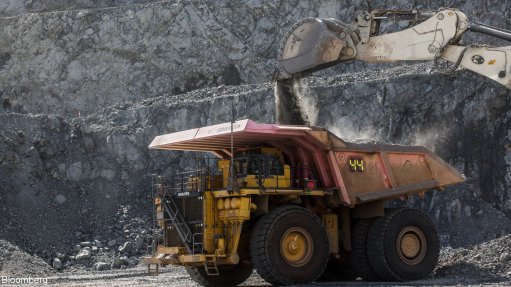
(491, 31)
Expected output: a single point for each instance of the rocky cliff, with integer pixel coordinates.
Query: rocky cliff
(75, 61)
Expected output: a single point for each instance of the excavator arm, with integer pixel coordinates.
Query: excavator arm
(313, 44)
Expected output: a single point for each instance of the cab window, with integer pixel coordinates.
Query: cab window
(275, 166)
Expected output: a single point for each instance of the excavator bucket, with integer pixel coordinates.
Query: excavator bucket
(311, 44)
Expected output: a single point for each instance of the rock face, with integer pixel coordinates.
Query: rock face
(17, 7)
(65, 178)
(41, 149)
(74, 62)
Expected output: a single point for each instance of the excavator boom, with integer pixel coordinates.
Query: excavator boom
(313, 44)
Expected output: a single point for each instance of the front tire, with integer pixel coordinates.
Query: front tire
(403, 245)
(289, 246)
(229, 275)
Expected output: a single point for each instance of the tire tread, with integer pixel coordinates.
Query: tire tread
(260, 256)
(199, 275)
(376, 243)
(359, 260)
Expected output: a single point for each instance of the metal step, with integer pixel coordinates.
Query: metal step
(211, 267)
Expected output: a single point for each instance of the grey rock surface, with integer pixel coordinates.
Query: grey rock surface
(74, 62)
(9, 8)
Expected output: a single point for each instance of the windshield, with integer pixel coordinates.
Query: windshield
(256, 163)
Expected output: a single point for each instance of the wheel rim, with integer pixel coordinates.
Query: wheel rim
(296, 246)
(411, 245)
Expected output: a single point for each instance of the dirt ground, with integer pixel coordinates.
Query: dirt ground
(486, 264)
(177, 277)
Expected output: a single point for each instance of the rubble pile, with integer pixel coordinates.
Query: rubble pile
(118, 247)
(16, 262)
(489, 260)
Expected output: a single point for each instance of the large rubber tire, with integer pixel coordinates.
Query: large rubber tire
(269, 235)
(386, 256)
(359, 259)
(229, 275)
(337, 271)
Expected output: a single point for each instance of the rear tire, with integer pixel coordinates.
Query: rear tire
(229, 275)
(289, 246)
(359, 260)
(403, 245)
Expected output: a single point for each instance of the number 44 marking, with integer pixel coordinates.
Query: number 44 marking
(356, 164)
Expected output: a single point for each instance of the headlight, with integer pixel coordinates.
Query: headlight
(220, 204)
(227, 204)
(235, 203)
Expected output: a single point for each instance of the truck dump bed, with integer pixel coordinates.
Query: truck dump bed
(359, 172)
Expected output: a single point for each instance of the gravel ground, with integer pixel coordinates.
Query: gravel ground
(178, 277)
(490, 260)
(486, 264)
(16, 262)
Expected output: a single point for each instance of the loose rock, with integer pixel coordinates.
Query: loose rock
(57, 264)
(120, 261)
(86, 244)
(127, 247)
(100, 266)
(112, 242)
(60, 199)
(85, 253)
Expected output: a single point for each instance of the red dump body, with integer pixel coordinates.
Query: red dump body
(359, 172)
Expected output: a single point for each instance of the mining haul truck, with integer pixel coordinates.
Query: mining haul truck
(295, 203)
